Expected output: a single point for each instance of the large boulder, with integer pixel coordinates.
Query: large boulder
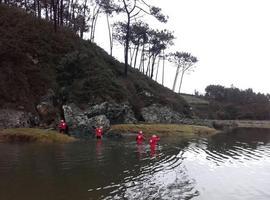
(100, 121)
(157, 113)
(10, 118)
(82, 124)
(116, 113)
(48, 111)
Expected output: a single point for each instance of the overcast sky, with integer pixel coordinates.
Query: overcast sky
(231, 39)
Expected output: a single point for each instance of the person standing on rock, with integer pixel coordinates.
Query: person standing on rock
(63, 128)
(99, 132)
(140, 137)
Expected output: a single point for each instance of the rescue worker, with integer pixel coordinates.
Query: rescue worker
(140, 137)
(63, 127)
(99, 132)
(154, 140)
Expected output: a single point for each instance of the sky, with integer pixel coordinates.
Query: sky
(230, 38)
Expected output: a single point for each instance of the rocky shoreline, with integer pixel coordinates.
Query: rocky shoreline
(83, 119)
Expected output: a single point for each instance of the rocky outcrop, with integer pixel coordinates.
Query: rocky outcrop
(157, 113)
(116, 113)
(17, 118)
(81, 123)
(85, 120)
(49, 113)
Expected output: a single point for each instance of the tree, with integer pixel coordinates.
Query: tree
(132, 8)
(158, 41)
(184, 63)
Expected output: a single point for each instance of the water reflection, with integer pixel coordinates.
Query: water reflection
(227, 166)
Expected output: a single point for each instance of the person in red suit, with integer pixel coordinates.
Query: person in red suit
(63, 127)
(99, 132)
(140, 137)
(154, 140)
(153, 143)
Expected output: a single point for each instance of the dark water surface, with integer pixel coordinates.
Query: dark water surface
(226, 166)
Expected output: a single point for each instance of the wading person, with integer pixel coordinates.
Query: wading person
(99, 132)
(154, 140)
(63, 128)
(140, 137)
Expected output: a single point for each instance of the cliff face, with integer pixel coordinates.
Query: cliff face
(35, 61)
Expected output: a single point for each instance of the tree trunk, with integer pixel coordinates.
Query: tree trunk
(148, 67)
(95, 24)
(153, 65)
(82, 28)
(157, 67)
(181, 80)
(58, 12)
(137, 50)
(175, 78)
(110, 34)
(46, 10)
(35, 9)
(54, 4)
(68, 11)
(127, 45)
(142, 60)
(132, 53)
(39, 9)
(61, 12)
(163, 67)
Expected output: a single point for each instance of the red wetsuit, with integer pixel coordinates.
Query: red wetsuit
(140, 138)
(154, 140)
(99, 133)
(62, 127)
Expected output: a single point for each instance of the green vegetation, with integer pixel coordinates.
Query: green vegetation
(33, 135)
(34, 58)
(163, 129)
(194, 100)
(223, 103)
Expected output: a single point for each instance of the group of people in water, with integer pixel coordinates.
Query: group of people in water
(140, 138)
(152, 141)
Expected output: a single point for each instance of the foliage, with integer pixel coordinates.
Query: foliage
(34, 58)
(233, 103)
(184, 62)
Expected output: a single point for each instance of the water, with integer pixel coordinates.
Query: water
(226, 166)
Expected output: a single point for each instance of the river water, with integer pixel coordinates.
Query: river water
(226, 166)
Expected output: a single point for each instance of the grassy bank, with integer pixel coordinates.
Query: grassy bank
(33, 135)
(163, 129)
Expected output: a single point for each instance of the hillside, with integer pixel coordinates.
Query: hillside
(35, 59)
(231, 103)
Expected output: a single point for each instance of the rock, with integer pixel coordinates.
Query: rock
(81, 123)
(157, 113)
(116, 113)
(10, 118)
(48, 112)
(100, 120)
